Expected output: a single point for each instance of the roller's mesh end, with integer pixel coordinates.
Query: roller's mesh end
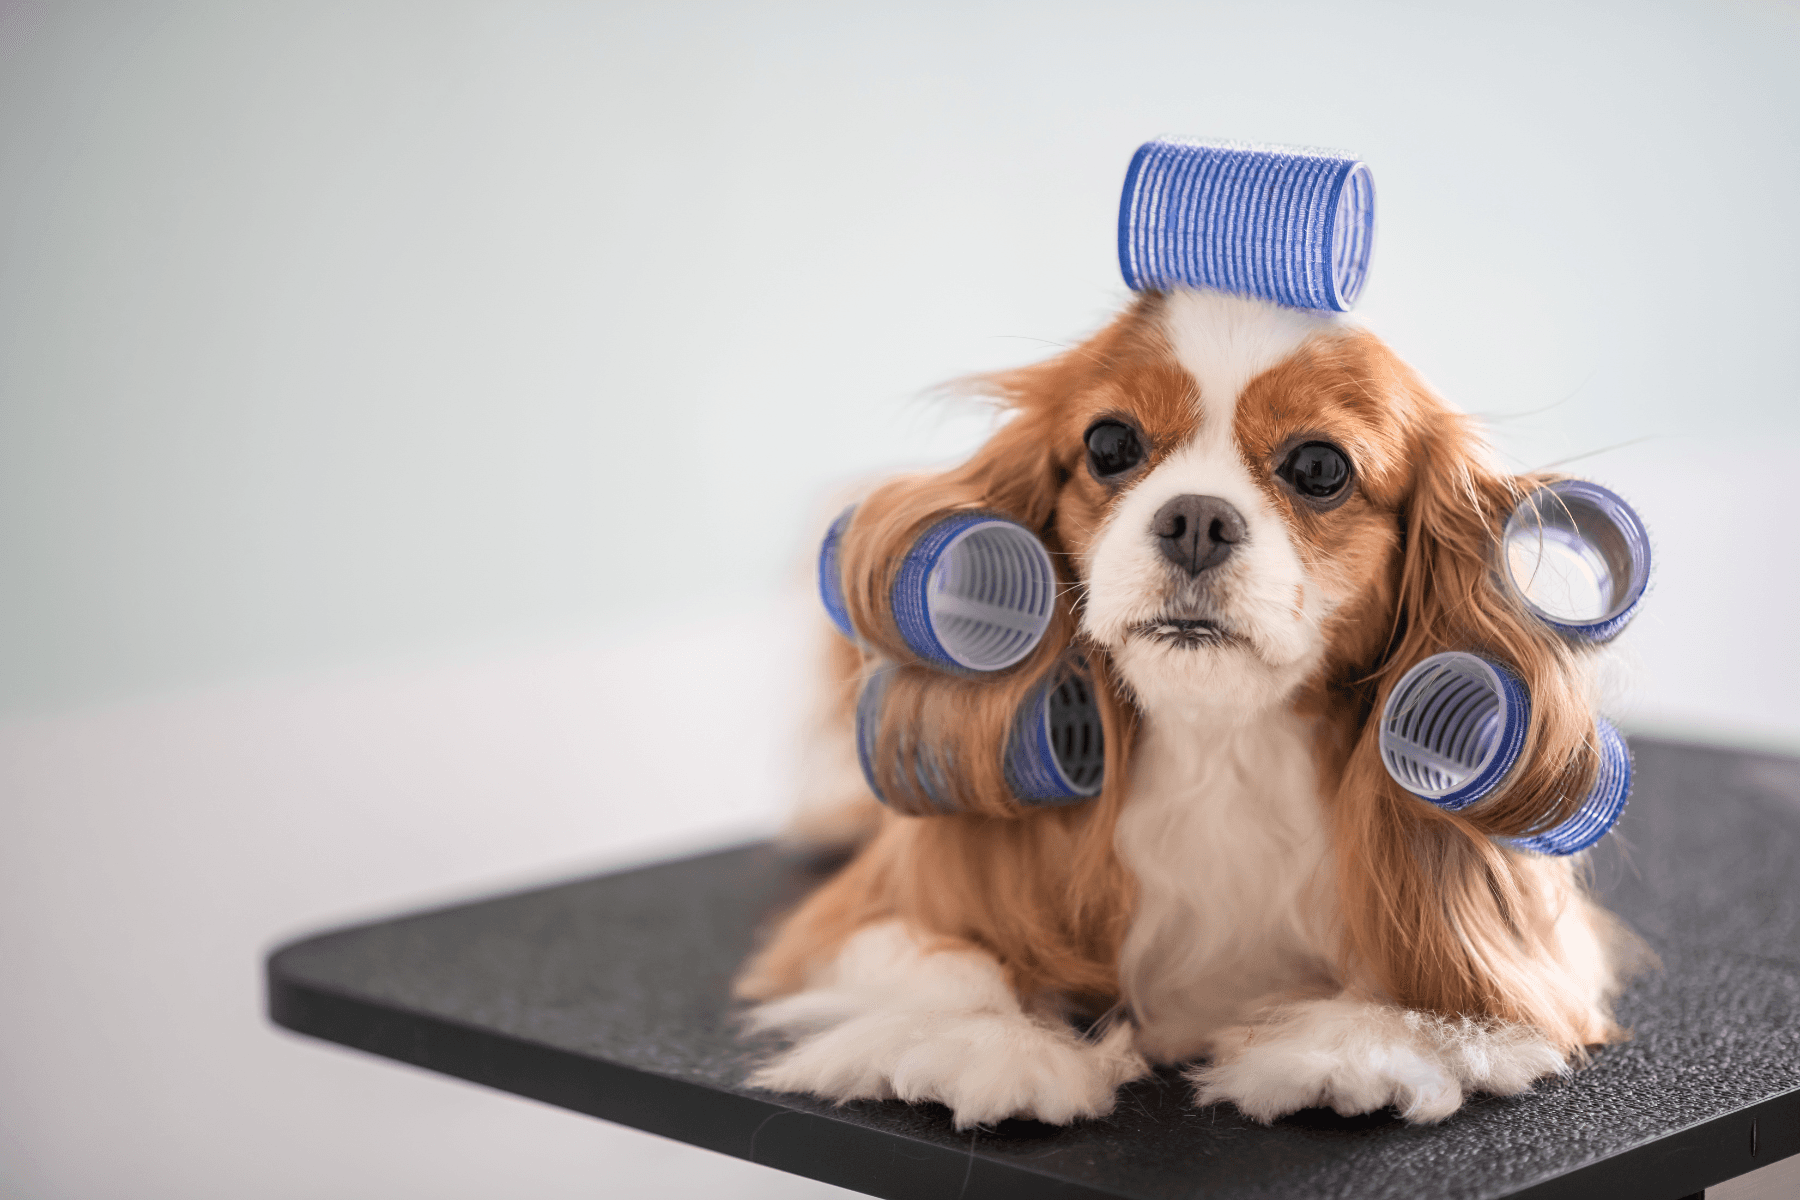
(831, 574)
(975, 592)
(1352, 237)
(1578, 557)
(1057, 751)
(1453, 727)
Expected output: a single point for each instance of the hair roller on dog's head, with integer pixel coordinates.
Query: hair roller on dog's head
(925, 742)
(1578, 557)
(974, 591)
(1452, 730)
(1283, 223)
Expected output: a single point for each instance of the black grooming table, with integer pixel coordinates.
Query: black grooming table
(609, 996)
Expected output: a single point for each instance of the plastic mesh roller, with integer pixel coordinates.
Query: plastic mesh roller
(1055, 752)
(1604, 805)
(1452, 730)
(975, 591)
(1283, 223)
(831, 574)
(1578, 557)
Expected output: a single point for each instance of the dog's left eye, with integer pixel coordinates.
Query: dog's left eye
(1113, 448)
(1318, 470)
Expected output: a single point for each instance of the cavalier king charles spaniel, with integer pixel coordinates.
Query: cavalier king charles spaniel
(1261, 518)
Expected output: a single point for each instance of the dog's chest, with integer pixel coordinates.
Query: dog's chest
(1226, 836)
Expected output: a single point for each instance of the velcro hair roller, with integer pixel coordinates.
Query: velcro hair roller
(1578, 557)
(831, 574)
(974, 592)
(1054, 749)
(1452, 730)
(1283, 223)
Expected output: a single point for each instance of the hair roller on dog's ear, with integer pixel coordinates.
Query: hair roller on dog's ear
(1432, 897)
(1451, 733)
(932, 744)
(956, 570)
(973, 592)
(1578, 558)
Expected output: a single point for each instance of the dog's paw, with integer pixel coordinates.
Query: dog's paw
(1270, 1073)
(894, 1018)
(989, 1067)
(1492, 1057)
(1354, 1057)
(985, 1066)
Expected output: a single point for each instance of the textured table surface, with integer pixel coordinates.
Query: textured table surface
(609, 996)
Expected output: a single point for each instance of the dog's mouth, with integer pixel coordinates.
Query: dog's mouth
(1184, 631)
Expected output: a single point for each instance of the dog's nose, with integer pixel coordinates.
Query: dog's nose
(1196, 533)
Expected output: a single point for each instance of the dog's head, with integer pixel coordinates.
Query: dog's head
(1256, 506)
(1230, 505)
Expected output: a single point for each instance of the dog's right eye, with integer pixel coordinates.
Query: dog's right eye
(1318, 470)
(1113, 448)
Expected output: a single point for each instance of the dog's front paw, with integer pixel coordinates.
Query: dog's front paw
(1355, 1057)
(1270, 1071)
(988, 1067)
(985, 1066)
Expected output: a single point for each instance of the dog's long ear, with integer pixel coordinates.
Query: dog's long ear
(1013, 474)
(1448, 918)
(1017, 473)
(1452, 598)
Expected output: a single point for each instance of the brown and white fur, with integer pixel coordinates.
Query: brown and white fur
(1250, 893)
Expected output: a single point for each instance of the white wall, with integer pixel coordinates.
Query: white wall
(344, 346)
(332, 333)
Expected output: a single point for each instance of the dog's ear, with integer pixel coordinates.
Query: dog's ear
(1452, 597)
(1013, 474)
(1018, 473)
(1445, 916)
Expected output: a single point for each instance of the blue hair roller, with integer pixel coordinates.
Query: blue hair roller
(1578, 557)
(1604, 805)
(1283, 223)
(1452, 730)
(975, 591)
(1055, 750)
(831, 574)
(1453, 727)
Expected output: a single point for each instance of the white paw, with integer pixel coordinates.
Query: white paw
(985, 1067)
(893, 1020)
(1355, 1057)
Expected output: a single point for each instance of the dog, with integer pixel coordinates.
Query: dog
(1262, 518)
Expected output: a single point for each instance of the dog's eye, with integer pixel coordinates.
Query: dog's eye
(1317, 470)
(1113, 448)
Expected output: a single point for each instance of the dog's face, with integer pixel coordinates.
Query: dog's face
(1257, 506)
(1231, 501)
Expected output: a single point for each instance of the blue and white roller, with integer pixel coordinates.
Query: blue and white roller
(831, 574)
(1283, 223)
(1452, 730)
(1604, 805)
(1578, 557)
(975, 591)
(1055, 751)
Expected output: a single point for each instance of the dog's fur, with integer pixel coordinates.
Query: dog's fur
(1250, 892)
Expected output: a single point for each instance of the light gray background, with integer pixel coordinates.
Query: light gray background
(413, 419)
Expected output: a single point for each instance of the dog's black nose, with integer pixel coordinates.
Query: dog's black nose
(1196, 533)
